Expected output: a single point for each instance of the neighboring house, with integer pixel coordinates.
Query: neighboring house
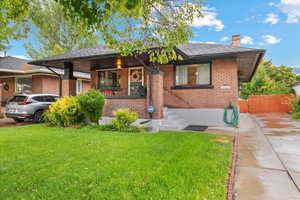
(16, 76)
(192, 91)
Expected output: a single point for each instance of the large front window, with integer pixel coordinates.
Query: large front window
(23, 84)
(109, 80)
(193, 75)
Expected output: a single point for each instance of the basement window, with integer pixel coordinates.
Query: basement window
(193, 75)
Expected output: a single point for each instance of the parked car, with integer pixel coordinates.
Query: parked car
(29, 106)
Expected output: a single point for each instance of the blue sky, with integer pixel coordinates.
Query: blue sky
(271, 25)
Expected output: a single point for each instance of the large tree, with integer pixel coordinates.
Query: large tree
(136, 26)
(270, 79)
(13, 23)
(55, 33)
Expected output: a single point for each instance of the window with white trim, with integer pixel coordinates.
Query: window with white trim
(193, 75)
(78, 86)
(23, 84)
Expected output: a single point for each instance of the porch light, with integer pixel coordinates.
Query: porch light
(119, 62)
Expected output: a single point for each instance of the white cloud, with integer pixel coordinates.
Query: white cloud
(292, 9)
(21, 57)
(209, 19)
(224, 39)
(272, 18)
(270, 39)
(210, 42)
(247, 40)
(261, 44)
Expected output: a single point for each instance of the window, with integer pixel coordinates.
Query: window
(109, 80)
(38, 98)
(24, 84)
(18, 99)
(193, 75)
(78, 86)
(44, 98)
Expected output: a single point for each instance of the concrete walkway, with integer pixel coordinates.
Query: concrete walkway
(260, 173)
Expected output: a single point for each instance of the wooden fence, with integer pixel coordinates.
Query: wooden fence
(266, 103)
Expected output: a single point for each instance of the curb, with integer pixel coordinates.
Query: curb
(232, 170)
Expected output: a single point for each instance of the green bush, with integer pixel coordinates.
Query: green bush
(123, 119)
(296, 108)
(92, 103)
(64, 112)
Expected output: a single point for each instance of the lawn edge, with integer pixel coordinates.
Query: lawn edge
(232, 169)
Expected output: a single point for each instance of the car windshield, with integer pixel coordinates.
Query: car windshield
(18, 99)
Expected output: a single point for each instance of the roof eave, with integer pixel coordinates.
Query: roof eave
(259, 59)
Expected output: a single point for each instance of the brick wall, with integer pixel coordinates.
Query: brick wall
(45, 84)
(137, 105)
(86, 85)
(224, 73)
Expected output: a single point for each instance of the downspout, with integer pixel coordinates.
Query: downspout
(60, 79)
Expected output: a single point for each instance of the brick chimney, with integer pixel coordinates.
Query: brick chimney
(236, 40)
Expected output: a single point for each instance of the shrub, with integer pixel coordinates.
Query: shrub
(296, 108)
(64, 112)
(91, 104)
(124, 119)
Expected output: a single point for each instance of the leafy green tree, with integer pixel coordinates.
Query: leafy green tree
(270, 79)
(134, 27)
(13, 24)
(55, 33)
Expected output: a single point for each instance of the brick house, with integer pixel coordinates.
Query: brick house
(16, 76)
(192, 91)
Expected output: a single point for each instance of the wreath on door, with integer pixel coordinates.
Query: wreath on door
(136, 76)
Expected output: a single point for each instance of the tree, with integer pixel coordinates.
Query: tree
(55, 33)
(132, 27)
(135, 27)
(270, 79)
(13, 24)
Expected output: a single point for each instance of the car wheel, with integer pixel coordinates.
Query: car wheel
(18, 120)
(38, 116)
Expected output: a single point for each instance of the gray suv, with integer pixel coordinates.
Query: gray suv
(29, 106)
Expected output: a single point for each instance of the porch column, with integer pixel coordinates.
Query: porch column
(94, 80)
(157, 93)
(69, 81)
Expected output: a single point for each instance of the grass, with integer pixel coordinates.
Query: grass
(38, 162)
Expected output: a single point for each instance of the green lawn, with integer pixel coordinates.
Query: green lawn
(38, 162)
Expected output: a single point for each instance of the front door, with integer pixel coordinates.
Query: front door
(135, 80)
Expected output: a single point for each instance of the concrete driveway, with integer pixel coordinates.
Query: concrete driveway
(6, 122)
(283, 133)
(268, 165)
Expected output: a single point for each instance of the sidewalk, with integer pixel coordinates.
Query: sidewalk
(260, 173)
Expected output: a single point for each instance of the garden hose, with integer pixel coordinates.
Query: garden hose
(234, 118)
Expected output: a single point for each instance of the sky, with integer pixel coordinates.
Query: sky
(273, 25)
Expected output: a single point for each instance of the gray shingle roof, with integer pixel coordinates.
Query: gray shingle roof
(189, 49)
(82, 53)
(204, 49)
(13, 63)
(19, 65)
